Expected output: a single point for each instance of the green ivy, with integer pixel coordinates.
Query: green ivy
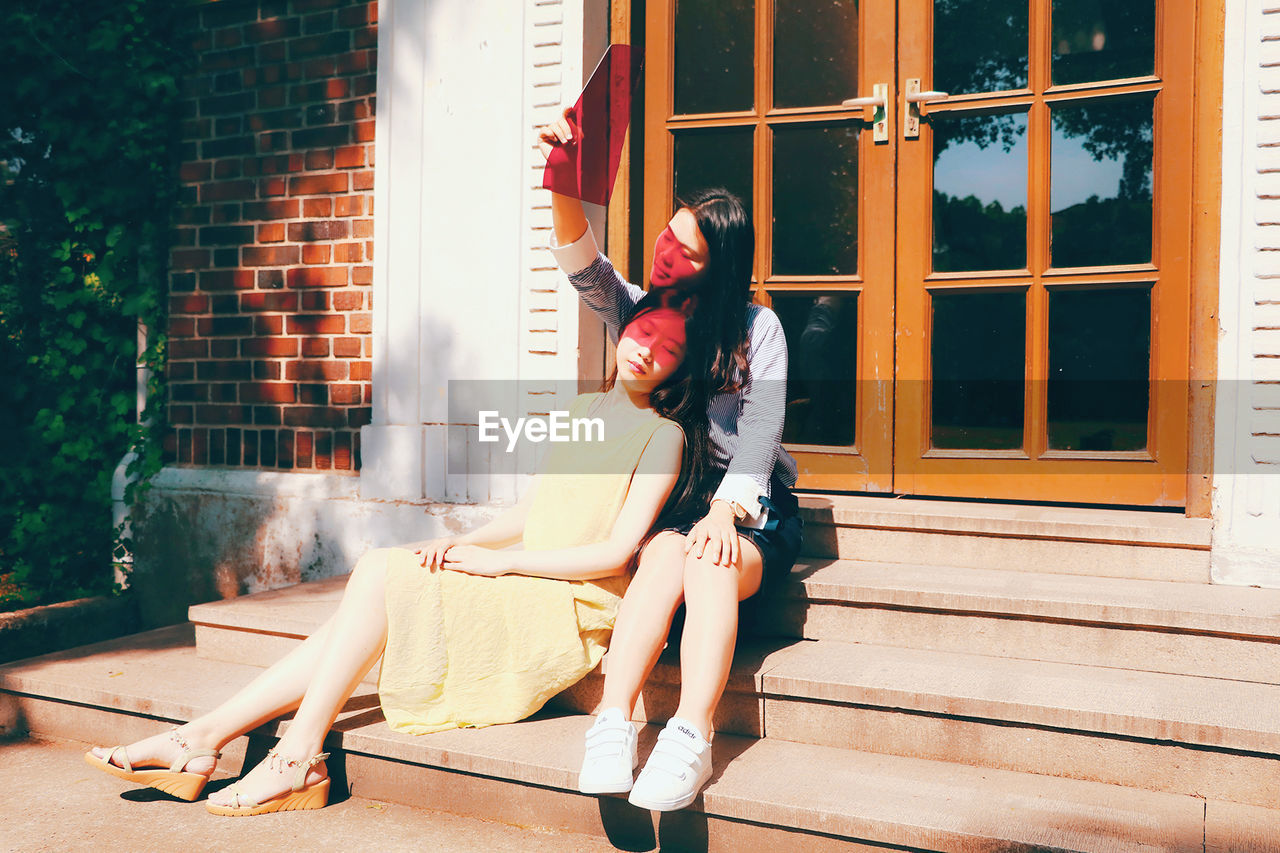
(89, 123)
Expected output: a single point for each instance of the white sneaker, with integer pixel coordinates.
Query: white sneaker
(610, 758)
(678, 767)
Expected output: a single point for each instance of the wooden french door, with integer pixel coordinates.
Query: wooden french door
(973, 220)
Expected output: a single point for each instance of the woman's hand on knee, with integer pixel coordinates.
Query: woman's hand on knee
(431, 554)
(475, 560)
(715, 537)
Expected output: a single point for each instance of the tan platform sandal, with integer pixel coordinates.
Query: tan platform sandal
(303, 796)
(176, 781)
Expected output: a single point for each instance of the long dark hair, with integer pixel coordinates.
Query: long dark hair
(682, 398)
(725, 292)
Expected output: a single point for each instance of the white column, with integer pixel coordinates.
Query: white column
(1246, 498)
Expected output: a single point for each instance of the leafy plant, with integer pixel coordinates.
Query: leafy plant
(89, 119)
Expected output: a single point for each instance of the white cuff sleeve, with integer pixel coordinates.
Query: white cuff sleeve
(578, 255)
(745, 492)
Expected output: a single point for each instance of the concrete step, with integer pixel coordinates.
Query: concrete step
(766, 794)
(1101, 542)
(1170, 732)
(1160, 626)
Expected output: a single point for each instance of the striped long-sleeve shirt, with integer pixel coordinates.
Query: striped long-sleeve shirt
(746, 425)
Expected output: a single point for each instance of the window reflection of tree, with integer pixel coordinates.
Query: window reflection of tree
(981, 46)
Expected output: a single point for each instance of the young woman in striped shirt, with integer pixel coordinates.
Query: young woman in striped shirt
(749, 535)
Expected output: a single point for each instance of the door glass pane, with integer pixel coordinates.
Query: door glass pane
(1101, 182)
(822, 339)
(714, 56)
(1103, 40)
(815, 199)
(979, 45)
(1099, 364)
(979, 191)
(978, 352)
(815, 52)
(716, 158)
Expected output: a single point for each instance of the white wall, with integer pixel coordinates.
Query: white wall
(1246, 508)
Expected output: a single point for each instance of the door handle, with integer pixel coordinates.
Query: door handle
(915, 99)
(878, 101)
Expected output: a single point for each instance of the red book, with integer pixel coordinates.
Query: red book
(586, 167)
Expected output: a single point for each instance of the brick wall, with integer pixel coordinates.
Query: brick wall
(269, 312)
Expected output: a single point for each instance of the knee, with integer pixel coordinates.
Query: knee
(706, 568)
(372, 563)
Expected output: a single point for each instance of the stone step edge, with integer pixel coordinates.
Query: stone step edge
(519, 753)
(1069, 524)
(1206, 609)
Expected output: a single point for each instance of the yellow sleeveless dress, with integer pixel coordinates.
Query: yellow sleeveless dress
(465, 650)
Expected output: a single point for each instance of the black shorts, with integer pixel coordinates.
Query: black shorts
(778, 540)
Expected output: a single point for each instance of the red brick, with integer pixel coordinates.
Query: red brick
(361, 371)
(348, 300)
(223, 371)
(189, 259)
(368, 250)
(224, 303)
(358, 418)
(212, 149)
(272, 97)
(195, 172)
(193, 215)
(317, 324)
(270, 256)
(360, 324)
(273, 30)
(225, 169)
(346, 347)
(266, 370)
(368, 84)
(315, 300)
(336, 89)
(287, 347)
(349, 157)
(224, 326)
(348, 253)
(272, 187)
(223, 348)
(313, 208)
(212, 414)
(344, 395)
(303, 443)
(315, 254)
(267, 448)
(353, 110)
(349, 205)
(355, 62)
(321, 159)
(227, 38)
(275, 141)
(287, 209)
(322, 45)
(180, 370)
(189, 392)
(270, 279)
(302, 371)
(284, 449)
(273, 233)
(318, 277)
(366, 37)
(199, 443)
(330, 229)
(268, 326)
(342, 451)
(225, 235)
(283, 300)
(223, 392)
(321, 22)
(226, 280)
(267, 392)
(364, 131)
(315, 347)
(272, 52)
(320, 137)
(362, 275)
(229, 257)
(324, 450)
(223, 213)
(315, 416)
(236, 102)
(318, 184)
(227, 191)
(362, 180)
(362, 228)
(354, 16)
(313, 394)
(182, 327)
(188, 304)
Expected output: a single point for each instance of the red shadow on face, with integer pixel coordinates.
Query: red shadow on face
(586, 167)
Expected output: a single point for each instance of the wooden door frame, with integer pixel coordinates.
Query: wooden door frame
(628, 24)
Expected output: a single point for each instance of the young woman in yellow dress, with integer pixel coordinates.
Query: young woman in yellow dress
(470, 633)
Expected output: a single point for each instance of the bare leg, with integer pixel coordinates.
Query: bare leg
(644, 618)
(354, 642)
(278, 690)
(711, 596)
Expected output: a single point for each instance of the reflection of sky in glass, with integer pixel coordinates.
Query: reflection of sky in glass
(1077, 175)
(992, 174)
